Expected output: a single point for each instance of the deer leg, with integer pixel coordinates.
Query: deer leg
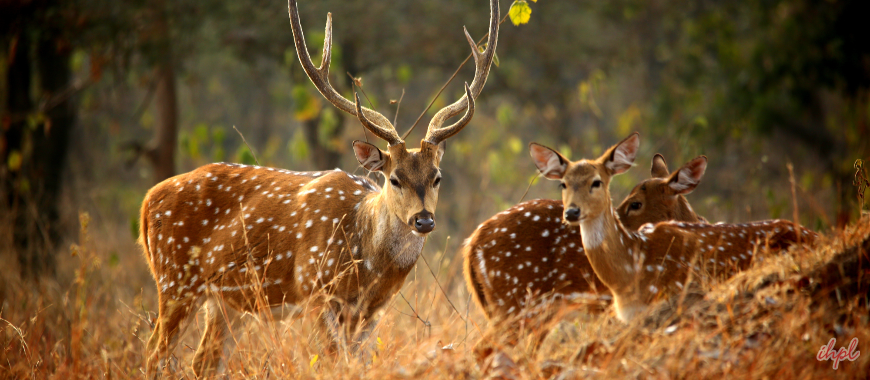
(217, 342)
(332, 330)
(361, 346)
(173, 317)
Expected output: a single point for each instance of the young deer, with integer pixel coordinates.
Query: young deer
(255, 239)
(529, 252)
(654, 261)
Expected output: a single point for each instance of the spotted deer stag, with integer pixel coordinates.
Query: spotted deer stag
(655, 261)
(533, 251)
(250, 239)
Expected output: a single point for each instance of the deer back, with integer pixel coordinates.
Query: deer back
(232, 229)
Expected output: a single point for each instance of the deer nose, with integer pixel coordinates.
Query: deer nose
(572, 214)
(424, 222)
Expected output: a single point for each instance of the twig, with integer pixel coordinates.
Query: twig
(442, 289)
(448, 82)
(535, 178)
(398, 105)
(359, 86)
(353, 83)
(425, 322)
(440, 264)
(860, 181)
(797, 226)
(467, 304)
(246, 144)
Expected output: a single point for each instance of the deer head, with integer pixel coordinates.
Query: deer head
(585, 182)
(660, 197)
(414, 175)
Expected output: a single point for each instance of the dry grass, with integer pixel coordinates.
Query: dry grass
(768, 322)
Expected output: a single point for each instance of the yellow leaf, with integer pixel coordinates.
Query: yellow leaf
(14, 161)
(520, 12)
(628, 120)
(313, 361)
(515, 144)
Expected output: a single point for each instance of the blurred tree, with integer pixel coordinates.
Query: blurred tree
(36, 124)
(797, 69)
(161, 152)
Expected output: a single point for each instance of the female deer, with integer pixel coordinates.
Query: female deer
(653, 262)
(530, 253)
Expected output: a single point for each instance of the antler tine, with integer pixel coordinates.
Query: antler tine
(320, 75)
(441, 134)
(482, 62)
(389, 135)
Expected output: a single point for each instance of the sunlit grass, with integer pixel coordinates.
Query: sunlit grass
(769, 321)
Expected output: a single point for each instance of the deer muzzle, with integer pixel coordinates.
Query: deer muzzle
(572, 213)
(424, 222)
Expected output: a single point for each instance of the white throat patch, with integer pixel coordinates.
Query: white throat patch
(592, 232)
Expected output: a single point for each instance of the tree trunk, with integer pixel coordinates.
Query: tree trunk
(323, 154)
(161, 153)
(32, 189)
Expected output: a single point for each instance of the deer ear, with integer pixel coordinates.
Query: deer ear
(550, 163)
(687, 178)
(659, 167)
(620, 157)
(369, 156)
(442, 146)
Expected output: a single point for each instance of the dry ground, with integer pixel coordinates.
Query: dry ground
(767, 322)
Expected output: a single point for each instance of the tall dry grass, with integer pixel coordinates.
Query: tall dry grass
(767, 322)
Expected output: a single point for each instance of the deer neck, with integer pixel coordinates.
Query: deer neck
(685, 211)
(611, 250)
(390, 242)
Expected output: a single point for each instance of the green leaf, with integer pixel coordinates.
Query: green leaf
(327, 126)
(218, 154)
(134, 226)
(298, 146)
(306, 106)
(201, 132)
(403, 74)
(218, 135)
(495, 60)
(114, 260)
(520, 12)
(244, 156)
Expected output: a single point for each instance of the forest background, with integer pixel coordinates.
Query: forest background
(100, 100)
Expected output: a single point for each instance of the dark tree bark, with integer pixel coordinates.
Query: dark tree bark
(32, 189)
(161, 152)
(323, 155)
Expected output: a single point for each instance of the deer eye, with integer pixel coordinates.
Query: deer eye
(596, 183)
(563, 185)
(437, 182)
(394, 182)
(635, 206)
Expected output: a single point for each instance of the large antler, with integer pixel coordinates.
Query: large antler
(372, 120)
(482, 62)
